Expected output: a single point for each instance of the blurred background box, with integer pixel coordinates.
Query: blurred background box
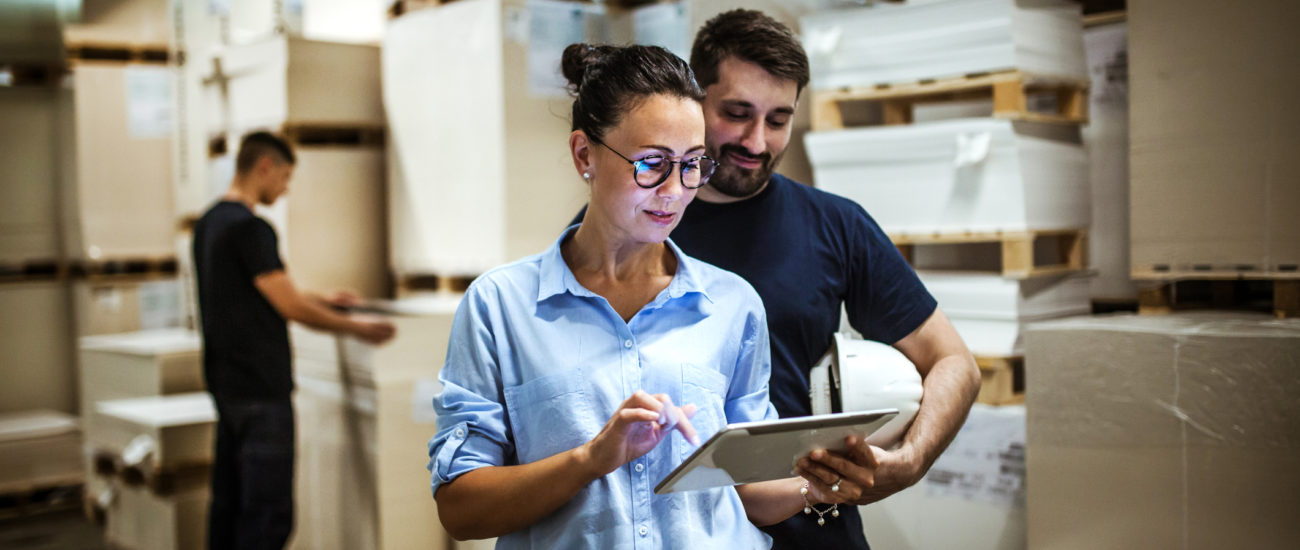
(30, 153)
(365, 413)
(1214, 131)
(156, 435)
(36, 336)
(121, 22)
(990, 311)
(121, 205)
(39, 449)
(285, 81)
(474, 188)
(138, 519)
(1163, 431)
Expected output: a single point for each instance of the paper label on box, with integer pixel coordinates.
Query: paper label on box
(664, 25)
(148, 102)
(986, 461)
(552, 26)
(426, 390)
(160, 304)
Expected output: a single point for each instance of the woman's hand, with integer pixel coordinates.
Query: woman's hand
(639, 424)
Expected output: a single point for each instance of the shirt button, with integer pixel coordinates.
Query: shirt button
(643, 530)
(627, 343)
(460, 432)
(639, 467)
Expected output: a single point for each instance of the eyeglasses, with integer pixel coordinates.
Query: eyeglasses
(652, 170)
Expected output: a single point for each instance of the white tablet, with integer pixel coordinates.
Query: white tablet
(764, 451)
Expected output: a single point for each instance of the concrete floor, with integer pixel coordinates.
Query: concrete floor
(60, 530)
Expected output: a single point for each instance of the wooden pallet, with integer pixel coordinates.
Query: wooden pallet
(1011, 92)
(1165, 290)
(433, 283)
(124, 268)
(57, 495)
(123, 53)
(21, 74)
(318, 135)
(33, 270)
(1002, 380)
(1019, 260)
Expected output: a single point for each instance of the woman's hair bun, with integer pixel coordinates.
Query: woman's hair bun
(578, 58)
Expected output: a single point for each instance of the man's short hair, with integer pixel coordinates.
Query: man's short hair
(256, 145)
(750, 36)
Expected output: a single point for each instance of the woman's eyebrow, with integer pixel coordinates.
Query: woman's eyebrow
(669, 150)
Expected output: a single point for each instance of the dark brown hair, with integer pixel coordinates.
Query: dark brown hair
(608, 81)
(256, 145)
(750, 36)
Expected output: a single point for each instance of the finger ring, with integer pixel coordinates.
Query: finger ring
(836, 487)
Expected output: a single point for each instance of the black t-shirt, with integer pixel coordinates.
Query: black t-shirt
(246, 353)
(807, 252)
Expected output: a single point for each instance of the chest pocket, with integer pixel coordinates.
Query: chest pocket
(707, 389)
(550, 415)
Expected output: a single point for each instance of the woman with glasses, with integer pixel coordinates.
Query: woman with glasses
(578, 378)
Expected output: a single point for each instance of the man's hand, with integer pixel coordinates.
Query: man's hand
(340, 299)
(866, 474)
(372, 330)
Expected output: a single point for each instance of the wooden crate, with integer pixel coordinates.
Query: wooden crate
(1012, 93)
(1002, 380)
(1019, 255)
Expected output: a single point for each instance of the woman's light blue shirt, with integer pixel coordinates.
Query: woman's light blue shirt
(537, 364)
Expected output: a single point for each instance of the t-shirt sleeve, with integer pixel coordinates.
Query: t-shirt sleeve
(258, 248)
(886, 301)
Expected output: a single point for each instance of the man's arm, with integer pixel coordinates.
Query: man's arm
(951, 380)
(309, 310)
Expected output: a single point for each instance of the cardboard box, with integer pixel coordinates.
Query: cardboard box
(919, 40)
(975, 491)
(137, 519)
(121, 204)
(1106, 138)
(1175, 431)
(474, 188)
(141, 364)
(335, 234)
(121, 23)
(362, 410)
(39, 449)
(990, 312)
(1214, 131)
(292, 81)
(116, 306)
(958, 175)
(156, 434)
(37, 366)
(29, 205)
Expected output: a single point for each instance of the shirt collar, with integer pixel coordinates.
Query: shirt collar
(555, 277)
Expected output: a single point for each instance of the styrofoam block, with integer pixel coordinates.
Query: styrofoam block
(958, 175)
(906, 42)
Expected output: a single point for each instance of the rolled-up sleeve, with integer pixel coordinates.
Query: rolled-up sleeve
(472, 431)
(747, 397)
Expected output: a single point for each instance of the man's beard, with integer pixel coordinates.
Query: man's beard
(733, 181)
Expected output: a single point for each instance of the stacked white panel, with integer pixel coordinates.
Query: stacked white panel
(958, 175)
(990, 312)
(922, 40)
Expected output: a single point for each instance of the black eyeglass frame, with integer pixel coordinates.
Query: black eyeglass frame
(681, 174)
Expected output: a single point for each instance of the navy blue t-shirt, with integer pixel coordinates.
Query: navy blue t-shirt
(246, 354)
(807, 252)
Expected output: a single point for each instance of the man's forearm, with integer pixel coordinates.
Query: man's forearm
(950, 388)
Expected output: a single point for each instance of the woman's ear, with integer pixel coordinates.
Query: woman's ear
(580, 149)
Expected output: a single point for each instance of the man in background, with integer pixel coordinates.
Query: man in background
(246, 298)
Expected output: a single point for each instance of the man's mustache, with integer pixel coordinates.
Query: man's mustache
(741, 151)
